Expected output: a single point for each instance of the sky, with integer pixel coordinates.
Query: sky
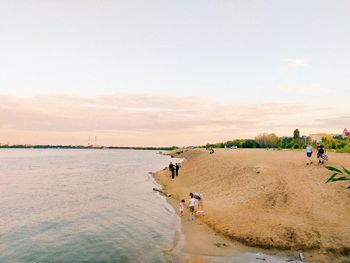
(160, 73)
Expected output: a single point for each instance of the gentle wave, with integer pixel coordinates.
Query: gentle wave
(83, 206)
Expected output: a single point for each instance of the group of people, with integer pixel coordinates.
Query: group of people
(174, 169)
(195, 198)
(321, 153)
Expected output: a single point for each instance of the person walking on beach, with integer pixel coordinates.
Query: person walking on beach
(177, 167)
(191, 205)
(320, 152)
(199, 198)
(182, 207)
(309, 151)
(172, 170)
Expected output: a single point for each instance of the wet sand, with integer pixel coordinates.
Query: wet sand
(200, 243)
(265, 199)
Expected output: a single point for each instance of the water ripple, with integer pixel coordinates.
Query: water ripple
(83, 206)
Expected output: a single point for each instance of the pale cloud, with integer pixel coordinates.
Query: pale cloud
(294, 63)
(339, 122)
(299, 89)
(150, 119)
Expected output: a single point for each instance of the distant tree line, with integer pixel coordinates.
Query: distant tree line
(271, 140)
(22, 146)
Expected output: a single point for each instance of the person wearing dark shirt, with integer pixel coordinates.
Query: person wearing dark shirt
(172, 170)
(320, 152)
(177, 167)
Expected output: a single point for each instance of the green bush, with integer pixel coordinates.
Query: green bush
(345, 149)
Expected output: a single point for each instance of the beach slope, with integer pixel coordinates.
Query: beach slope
(268, 198)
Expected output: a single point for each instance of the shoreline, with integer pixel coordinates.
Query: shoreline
(202, 244)
(209, 234)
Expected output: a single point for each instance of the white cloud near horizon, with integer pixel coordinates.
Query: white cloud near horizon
(153, 119)
(294, 63)
(300, 89)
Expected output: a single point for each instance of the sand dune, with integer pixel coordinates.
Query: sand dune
(269, 198)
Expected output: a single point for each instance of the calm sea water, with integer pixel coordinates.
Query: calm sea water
(83, 206)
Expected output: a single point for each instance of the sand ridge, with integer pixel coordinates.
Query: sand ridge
(269, 198)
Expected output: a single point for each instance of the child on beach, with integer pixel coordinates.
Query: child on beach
(192, 204)
(182, 207)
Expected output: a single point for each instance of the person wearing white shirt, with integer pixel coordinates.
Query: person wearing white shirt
(309, 151)
(191, 205)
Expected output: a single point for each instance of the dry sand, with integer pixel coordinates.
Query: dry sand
(268, 199)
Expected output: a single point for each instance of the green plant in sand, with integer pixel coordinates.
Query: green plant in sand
(344, 175)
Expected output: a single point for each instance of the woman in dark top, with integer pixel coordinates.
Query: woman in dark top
(320, 152)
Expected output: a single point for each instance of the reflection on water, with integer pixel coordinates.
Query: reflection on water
(83, 206)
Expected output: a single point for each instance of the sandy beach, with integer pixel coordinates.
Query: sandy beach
(266, 199)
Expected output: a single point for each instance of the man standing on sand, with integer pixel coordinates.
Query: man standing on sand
(172, 170)
(177, 167)
(320, 152)
(309, 151)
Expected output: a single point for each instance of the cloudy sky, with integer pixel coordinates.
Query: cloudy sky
(171, 72)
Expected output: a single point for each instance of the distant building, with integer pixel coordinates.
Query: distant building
(318, 137)
(346, 133)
